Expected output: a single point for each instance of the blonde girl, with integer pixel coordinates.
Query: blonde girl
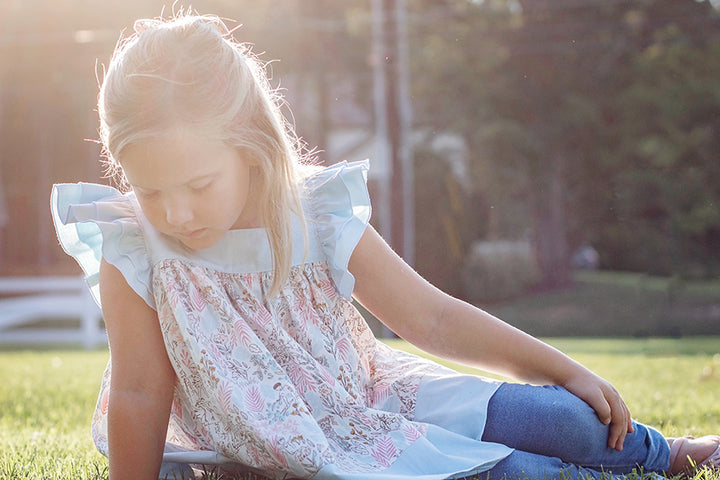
(226, 273)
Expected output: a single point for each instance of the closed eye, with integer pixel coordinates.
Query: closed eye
(201, 186)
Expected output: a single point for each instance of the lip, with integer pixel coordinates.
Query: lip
(193, 233)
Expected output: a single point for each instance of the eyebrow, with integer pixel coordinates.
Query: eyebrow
(199, 178)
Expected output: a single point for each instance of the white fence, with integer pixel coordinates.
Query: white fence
(30, 305)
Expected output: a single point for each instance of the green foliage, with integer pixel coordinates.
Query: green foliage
(442, 230)
(669, 189)
(597, 123)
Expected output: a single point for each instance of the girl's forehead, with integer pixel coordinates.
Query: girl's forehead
(169, 160)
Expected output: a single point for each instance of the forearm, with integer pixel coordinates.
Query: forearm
(468, 335)
(137, 426)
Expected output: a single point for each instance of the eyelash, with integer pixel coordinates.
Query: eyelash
(201, 188)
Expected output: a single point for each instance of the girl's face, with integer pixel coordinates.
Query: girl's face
(191, 188)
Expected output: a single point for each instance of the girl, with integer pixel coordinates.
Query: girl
(225, 276)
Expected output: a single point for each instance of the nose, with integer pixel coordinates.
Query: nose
(178, 211)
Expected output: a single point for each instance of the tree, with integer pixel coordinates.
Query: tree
(669, 187)
(563, 106)
(518, 92)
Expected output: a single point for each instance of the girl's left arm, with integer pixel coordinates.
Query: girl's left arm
(442, 325)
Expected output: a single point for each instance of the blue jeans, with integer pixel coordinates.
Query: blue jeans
(557, 435)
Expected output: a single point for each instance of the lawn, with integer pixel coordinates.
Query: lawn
(46, 400)
(47, 397)
(615, 304)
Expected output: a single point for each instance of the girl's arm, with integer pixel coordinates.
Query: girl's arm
(141, 384)
(442, 325)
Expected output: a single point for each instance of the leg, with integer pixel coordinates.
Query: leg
(521, 465)
(550, 421)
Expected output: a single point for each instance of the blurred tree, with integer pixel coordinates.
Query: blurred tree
(669, 187)
(586, 120)
(443, 233)
(453, 61)
(561, 102)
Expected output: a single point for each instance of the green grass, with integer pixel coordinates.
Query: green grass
(613, 304)
(46, 402)
(47, 398)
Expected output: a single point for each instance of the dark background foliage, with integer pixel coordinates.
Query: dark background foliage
(581, 121)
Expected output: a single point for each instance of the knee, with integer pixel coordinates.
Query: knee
(547, 420)
(577, 424)
(574, 414)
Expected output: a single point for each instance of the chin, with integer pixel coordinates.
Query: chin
(198, 243)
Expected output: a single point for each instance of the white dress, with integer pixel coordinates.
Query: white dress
(296, 385)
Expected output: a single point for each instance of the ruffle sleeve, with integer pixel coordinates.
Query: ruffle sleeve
(96, 221)
(339, 211)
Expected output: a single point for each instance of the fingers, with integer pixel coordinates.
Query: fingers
(603, 410)
(609, 406)
(620, 420)
(611, 412)
(616, 438)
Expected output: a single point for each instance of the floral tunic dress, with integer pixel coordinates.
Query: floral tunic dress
(295, 385)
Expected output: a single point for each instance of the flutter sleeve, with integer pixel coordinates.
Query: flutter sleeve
(96, 221)
(339, 211)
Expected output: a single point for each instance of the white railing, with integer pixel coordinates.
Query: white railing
(26, 300)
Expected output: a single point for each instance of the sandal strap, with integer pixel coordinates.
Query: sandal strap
(713, 461)
(675, 448)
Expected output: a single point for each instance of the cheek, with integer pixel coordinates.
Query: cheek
(154, 213)
(239, 187)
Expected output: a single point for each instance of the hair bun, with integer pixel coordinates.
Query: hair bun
(144, 24)
(214, 21)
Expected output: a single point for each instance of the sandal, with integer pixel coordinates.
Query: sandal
(711, 462)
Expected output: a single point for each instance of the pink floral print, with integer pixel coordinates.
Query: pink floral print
(280, 385)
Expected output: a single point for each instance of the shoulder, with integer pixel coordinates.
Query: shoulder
(337, 183)
(337, 207)
(98, 221)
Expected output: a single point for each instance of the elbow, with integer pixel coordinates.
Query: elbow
(154, 384)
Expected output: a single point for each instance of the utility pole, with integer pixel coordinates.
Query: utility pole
(381, 163)
(393, 123)
(406, 157)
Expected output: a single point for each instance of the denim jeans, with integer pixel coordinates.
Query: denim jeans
(557, 435)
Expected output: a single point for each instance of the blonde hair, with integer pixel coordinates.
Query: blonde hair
(188, 71)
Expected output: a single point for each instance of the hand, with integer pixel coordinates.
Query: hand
(607, 403)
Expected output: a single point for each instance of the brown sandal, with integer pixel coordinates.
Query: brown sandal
(711, 462)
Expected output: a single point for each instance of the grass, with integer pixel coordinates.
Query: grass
(47, 398)
(618, 304)
(46, 402)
